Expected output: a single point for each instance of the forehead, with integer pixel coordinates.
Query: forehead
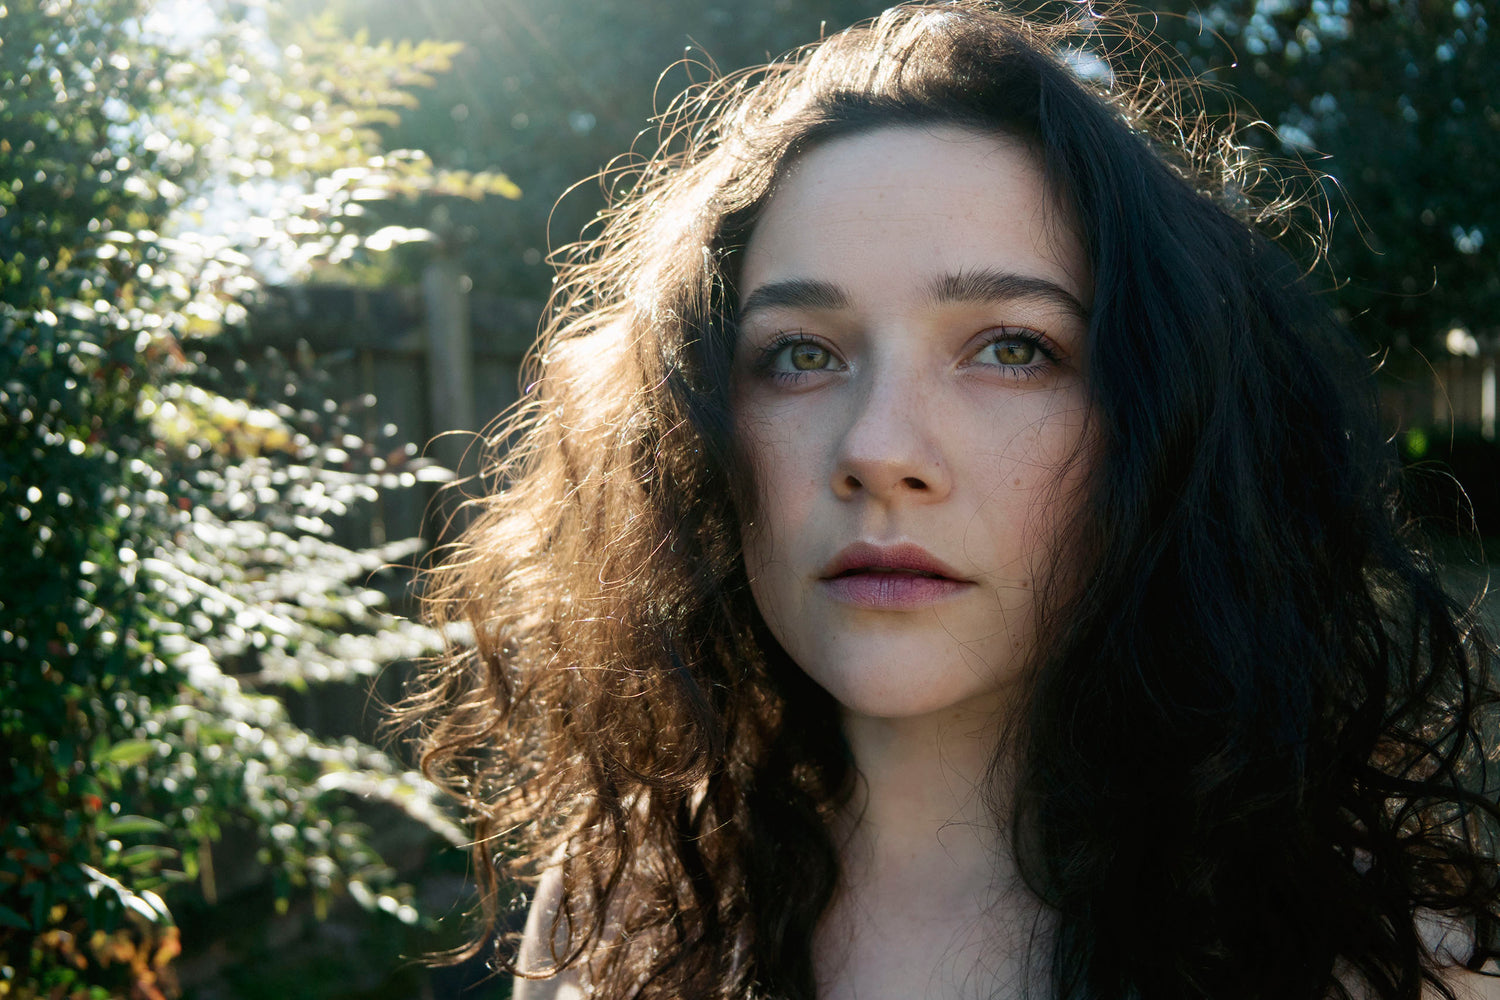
(886, 211)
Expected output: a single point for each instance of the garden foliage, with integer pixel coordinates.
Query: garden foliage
(171, 534)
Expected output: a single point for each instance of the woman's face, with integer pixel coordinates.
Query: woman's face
(907, 390)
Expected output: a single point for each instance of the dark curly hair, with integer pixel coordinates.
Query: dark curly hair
(1257, 741)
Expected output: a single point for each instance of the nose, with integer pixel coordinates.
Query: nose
(890, 449)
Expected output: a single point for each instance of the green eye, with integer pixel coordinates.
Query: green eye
(809, 357)
(794, 355)
(1014, 352)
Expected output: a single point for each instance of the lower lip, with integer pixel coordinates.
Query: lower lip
(893, 591)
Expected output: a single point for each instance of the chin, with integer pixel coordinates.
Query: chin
(890, 683)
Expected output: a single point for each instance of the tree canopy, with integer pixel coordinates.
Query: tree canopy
(1397, 102)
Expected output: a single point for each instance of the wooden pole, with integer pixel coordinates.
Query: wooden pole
(450, 359)
(1487, 399)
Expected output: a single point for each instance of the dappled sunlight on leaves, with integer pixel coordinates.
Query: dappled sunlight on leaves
(179, 540)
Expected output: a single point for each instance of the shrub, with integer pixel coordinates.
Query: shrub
(171, 554)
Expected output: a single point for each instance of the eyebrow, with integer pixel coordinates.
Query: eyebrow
(797, 293)
(987, 284)
(974, 285)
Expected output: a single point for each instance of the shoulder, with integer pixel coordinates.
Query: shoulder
(1468, 985)
(537, 946)
(1450, 940)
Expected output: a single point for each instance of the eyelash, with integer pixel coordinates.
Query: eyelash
(766, 361)
(1046, 356)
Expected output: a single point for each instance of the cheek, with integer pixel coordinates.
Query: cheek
(781, 464)
(779, 519)
(773, 581)
(1031, 487)
(761, 446)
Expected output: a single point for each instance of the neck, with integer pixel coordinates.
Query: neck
(923, 812)
(929, 904)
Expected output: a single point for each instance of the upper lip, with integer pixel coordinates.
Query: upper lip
(865, 557)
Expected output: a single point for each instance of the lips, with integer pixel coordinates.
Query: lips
(894, 577)
(863, 557)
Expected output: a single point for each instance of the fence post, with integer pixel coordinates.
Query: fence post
(1487, 399)
(450, 357)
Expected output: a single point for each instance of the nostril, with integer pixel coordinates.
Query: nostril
(912, 482)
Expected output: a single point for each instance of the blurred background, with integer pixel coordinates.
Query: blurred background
(255, 255)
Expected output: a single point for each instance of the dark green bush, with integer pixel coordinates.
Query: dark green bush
(171, 554)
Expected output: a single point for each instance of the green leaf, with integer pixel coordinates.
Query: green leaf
(129, 752)
(123, 826)
(10, 918)
(145, 854)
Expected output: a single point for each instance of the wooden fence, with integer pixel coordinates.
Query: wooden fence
(1441, 394)
(440, 362)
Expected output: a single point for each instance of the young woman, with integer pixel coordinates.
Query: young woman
(948, 552)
